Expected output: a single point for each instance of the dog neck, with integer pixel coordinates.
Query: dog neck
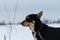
(32, 29)
(38, 26)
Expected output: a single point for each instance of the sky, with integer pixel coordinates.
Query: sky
(50, 8)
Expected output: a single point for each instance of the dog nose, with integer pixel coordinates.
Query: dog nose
(21, 23)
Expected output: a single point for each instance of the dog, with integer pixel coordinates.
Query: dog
(40, 31)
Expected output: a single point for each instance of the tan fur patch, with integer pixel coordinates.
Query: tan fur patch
(29, 24)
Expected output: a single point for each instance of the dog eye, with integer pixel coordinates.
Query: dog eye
(27, 17)
(33, 21)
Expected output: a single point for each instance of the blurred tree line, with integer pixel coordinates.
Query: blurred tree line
(46, 21)
(2, 23)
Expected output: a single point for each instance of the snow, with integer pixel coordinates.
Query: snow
(18, 32)
(54, 25)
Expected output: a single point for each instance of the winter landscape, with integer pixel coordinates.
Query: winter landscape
(13, 12)
(18, 32)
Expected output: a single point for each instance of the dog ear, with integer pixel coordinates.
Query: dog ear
(39, 15)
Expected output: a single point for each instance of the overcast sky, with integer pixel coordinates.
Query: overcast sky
(50, 8)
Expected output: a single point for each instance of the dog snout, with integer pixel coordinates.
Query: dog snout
(22, 22)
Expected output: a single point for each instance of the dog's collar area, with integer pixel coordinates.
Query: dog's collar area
(40, 35)
(35, 33)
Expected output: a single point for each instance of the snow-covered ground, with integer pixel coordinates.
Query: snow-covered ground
(18, 32)
(54, 25)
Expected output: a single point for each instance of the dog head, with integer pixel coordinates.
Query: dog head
(31, 20)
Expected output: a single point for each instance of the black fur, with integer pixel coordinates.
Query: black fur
(48, 33)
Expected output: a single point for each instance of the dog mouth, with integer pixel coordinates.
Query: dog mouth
(28, 24)
(25, 23)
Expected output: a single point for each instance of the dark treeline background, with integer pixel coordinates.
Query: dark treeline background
(46, 21)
